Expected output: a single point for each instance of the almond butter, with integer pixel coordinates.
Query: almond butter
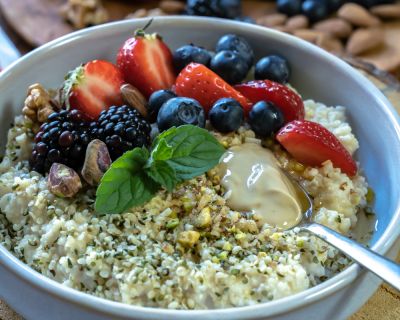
(335, 27)
(363, 40)
(297, 22)
(357, 15)
(387, 11)
(272, 20)
(172, 6)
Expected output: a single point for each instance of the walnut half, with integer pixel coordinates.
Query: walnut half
(38, 104)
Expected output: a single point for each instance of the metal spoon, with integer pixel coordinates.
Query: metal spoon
(384, 268)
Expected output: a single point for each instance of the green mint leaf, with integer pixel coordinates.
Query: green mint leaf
(125, 184)
(161, 172)
(195, 150)
(162, 151)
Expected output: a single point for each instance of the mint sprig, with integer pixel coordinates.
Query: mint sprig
(177, 154)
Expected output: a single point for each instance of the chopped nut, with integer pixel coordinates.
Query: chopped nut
(38, 104)
(63, 181)
(83, 13)
(203, 220)
(134, 98)
(97, 161)
(188, 238)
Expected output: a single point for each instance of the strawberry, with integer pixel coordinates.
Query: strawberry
(198, 82)
(146, 63)
(283, 97)
(312, 144)
(92, 88)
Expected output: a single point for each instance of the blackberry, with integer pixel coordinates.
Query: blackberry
(63, 139)
(122, 129)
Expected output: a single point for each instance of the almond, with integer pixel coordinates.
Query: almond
(363, 40)
(335, 27)
(308, 34)
(172, 6)
(357, 15)
(329, 43)
(297, 22)
(387, 11)
(134, 98)
(272, 20)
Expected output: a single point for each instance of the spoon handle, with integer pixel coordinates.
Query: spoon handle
(379, 265)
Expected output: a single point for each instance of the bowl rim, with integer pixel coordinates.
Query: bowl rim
(272, 308)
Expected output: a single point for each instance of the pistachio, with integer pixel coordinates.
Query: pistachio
(188, 238)
(203, 220)
(97, 161)
(134, 98)
(63, 181)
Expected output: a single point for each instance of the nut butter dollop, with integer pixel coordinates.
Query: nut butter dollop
(255, 183)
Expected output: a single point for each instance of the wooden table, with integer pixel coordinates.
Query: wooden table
(385, 304)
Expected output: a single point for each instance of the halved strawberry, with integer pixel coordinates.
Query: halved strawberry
(198, 82)
(312, 144)
(146, 63)
(282, 96)
(92, 88)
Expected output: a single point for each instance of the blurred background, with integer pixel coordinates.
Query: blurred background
(368, 30)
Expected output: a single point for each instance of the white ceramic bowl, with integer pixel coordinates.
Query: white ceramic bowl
(315, 73)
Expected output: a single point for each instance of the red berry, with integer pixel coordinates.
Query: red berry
(282, 96)
(146, 63)
(92, 88)
(198, 82)
(312, 144)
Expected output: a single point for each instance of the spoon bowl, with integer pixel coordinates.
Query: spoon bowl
(384, 268)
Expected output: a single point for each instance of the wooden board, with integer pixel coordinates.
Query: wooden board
(39, 21)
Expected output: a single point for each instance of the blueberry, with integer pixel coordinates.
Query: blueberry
(230, 66)
(190, 53)
(289, 7)
(156, 100)
(229, 8)
(179, 111)
(226, 115)
(237, 44)
(315, 10)
(265, 119)
(273, 68)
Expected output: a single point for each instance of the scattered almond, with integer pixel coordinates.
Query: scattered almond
(172, 6)
(363, 40)
(335, 27)
(140, 13)
(297, 22)
(308, 34)
(134, 98)
(282, 28)
(156, 12)
(272, 20)
(387, 11)
(357, 15)
(329, 43)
